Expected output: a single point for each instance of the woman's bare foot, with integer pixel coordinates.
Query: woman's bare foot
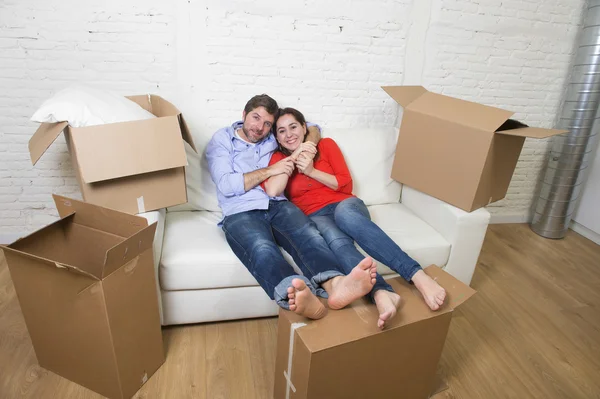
(433, 293)
(303, 302)
(387, 304)
(343, 290)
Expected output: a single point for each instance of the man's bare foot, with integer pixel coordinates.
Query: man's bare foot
(343, 290)
(387, 304)
(433, 293)
(303, 302)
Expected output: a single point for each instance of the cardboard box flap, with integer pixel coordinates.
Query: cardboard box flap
(129, 249)
(50, 263)
(143, 146)
(185, 132)
(100, 218)
(143, 101)
(330, 331)
(161, 107)
(533, 132)
(43, 138)
(404, 95)
(463, 112)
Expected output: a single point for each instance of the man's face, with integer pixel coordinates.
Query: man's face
(257, 124)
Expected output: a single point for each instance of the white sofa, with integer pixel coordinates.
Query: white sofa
(201, 280)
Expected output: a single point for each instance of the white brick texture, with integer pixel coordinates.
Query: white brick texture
(329, 59)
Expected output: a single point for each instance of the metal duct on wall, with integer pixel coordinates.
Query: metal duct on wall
(572, 152)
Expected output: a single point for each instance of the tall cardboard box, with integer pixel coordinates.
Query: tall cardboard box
(344, 355)
(458, 151)
(87, 291)
(132, 167)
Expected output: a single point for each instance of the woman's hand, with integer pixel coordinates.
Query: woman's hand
(308, 148)
(305, 164)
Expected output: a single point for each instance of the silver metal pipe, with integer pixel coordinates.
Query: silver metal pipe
(572, 152)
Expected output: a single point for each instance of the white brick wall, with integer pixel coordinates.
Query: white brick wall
(326, 58)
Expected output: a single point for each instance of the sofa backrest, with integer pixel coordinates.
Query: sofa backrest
(369, 153)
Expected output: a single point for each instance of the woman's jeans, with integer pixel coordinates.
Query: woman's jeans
(347, 221)
(254, 237)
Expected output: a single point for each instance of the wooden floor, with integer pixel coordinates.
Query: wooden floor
(532, 331)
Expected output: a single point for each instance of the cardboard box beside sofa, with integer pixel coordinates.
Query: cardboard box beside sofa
(87, 290)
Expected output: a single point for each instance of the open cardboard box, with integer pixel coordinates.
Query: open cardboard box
(87, 291)
(344, 355)
(460, 152)
(133, 167)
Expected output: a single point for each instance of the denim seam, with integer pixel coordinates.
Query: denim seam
(246, 255)
(295, 249)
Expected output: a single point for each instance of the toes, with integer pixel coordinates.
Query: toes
(293, 308)
(298, 284)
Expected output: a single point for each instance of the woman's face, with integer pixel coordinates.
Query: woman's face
(290, 133)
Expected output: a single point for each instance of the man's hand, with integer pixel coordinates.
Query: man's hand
(305, 164)
(285, 166)
(308, 148)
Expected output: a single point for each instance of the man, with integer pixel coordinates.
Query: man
(255, 224)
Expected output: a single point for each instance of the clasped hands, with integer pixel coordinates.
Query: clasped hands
(301, 158)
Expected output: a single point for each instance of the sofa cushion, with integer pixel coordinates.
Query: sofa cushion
(196, 255)
(417, 238)
(369, 154)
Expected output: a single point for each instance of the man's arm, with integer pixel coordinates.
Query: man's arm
(283, 167)
(220, 164)
(228, 181)
(314, 134)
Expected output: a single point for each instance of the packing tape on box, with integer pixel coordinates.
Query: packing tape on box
(141, 206)
(288, 374)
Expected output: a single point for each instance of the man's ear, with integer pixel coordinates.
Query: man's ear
(243, 116)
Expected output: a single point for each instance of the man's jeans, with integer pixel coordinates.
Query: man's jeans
(254, 237)
(347, 221)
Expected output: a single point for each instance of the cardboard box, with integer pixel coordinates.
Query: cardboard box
(87, 291)
(132, 167)
(458, 151)
(344, 355)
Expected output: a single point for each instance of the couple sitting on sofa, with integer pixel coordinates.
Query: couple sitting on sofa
(252, 168)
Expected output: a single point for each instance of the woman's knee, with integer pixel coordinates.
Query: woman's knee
(349, 209)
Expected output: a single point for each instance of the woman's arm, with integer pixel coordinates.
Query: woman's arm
(340, 179)
(305, 166)
(275, 185)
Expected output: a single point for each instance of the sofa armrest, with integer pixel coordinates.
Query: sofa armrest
(158, 216)
(465, 231)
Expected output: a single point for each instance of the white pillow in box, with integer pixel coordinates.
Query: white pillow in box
(82, 105)
(201, 191)
(369, 154)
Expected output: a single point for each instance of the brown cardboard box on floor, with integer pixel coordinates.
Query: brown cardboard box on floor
(133, 167)
(344, 355)
(87, 291)
(458, 151)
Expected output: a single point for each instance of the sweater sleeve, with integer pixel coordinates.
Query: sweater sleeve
(332, 153)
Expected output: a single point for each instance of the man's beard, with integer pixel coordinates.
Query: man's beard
(251, 138)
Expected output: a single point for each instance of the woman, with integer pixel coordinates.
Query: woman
(322, 189)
